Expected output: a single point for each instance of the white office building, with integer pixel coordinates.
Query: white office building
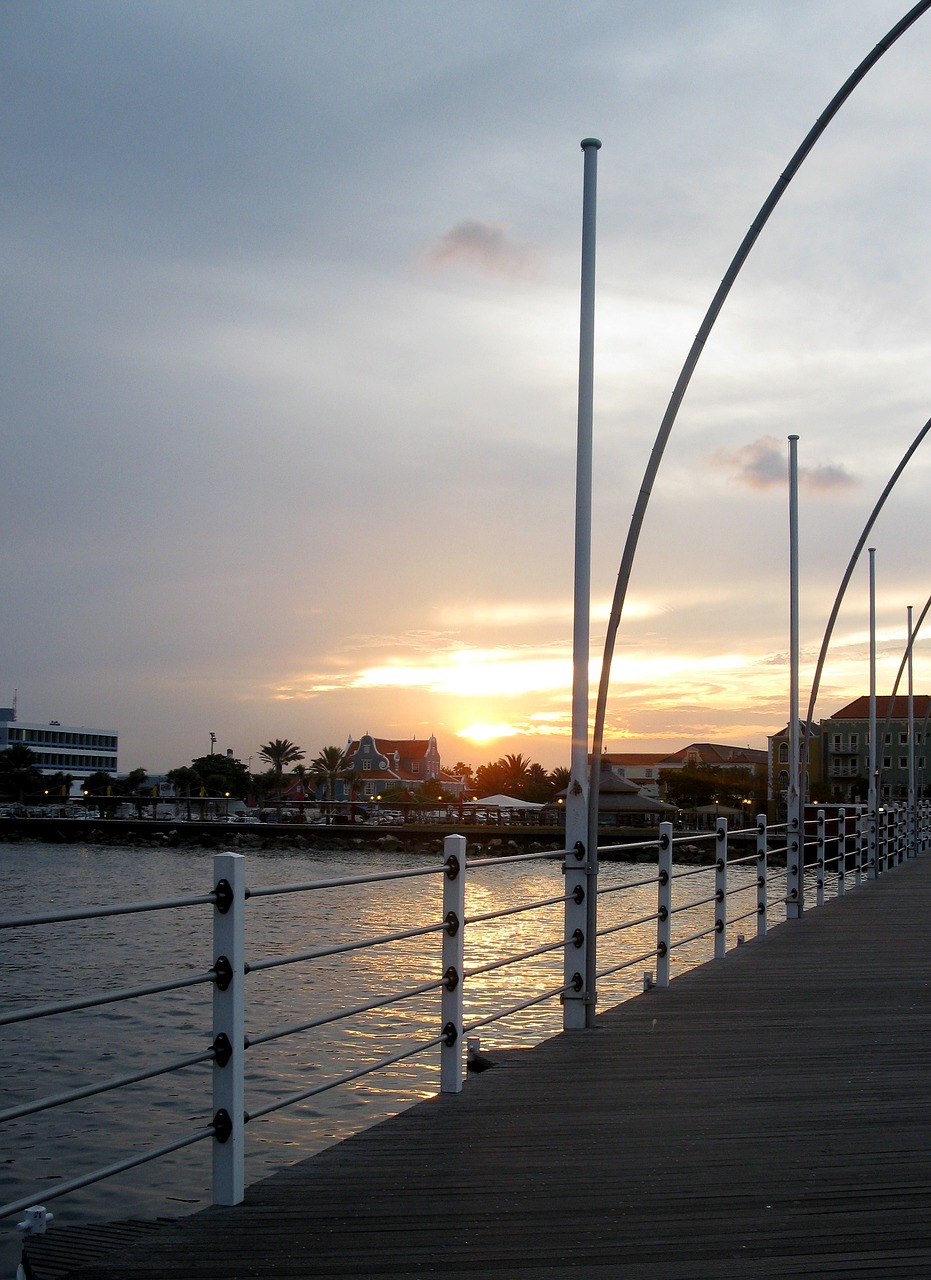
(60, 748)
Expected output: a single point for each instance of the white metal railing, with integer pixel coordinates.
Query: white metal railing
(840, 847)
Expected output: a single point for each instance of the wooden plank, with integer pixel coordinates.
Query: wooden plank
(769, 1115)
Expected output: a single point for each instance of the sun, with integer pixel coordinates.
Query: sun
(481, 732)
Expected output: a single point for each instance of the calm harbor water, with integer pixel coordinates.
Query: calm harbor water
(59, 962)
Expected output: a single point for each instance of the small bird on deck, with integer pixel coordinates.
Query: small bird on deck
(476, 1061)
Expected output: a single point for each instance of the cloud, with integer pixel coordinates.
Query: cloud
(762, 464)
(484, 246)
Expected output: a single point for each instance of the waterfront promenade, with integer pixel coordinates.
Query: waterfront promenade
(768, 1115)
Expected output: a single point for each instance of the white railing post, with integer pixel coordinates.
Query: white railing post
(720, 890)
(229, 1036)
(819, 859)
(872, 842)
(841, 851)
(454, 847)
(664, 905)
(860, 837)
(762, 872)
(795, 862)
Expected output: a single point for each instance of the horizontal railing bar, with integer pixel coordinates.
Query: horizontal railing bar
(101, 913)
(702, 933)
(407, 873)
(628, 964)
(627, 924)
(690, 906)
(266, 1037)
(742, 860)
(733, 890)
(753, 913)
(514, 911)
(260, 966)
(628, 884)
(98, 1175)
(541, 855)
(514, 959)
(517, 1008)
(697, 837)
(625, 848)
(704, 870)
(105, 1086)
(113, 997)
(293, 1098)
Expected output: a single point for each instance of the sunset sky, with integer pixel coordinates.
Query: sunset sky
(290, 353)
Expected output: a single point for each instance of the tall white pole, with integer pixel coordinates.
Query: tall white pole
(910, 851)
(581, 862)
(795, 836)
(872, 798)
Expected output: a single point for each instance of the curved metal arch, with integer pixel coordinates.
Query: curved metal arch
(909, 645)
(845, 581)
(672, 410)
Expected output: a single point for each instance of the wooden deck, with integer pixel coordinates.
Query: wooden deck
(767, 1115)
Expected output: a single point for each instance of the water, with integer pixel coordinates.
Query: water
(58, 962)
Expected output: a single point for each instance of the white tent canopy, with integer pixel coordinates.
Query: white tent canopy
(503, 802)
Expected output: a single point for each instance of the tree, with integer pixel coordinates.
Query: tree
(280, 752)
(325, 768)
(19, 774)
(462, 770)
(234, 774)
(559, 780)
(517, 772)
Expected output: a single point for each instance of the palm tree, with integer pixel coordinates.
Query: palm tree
(325, 768)
(560, 779)
(517, 772)
(18, 771)
(280, 752)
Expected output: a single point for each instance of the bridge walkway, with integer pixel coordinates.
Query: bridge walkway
(768, 1115)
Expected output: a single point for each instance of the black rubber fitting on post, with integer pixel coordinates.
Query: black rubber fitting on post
(222, 973)
(578, 895)
(222, 1126)
(451, 923)
(578, 938)
(579, 850)
(451, 978)
(224, 896)
(452, 867)
(222, 1049)
(450, 1034)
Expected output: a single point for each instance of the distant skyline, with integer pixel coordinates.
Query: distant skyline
(289, 361)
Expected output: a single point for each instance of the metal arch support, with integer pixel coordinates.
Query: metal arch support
(688, 368)
(842, 589)
(909, 644)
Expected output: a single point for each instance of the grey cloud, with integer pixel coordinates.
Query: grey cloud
(763, 464)
(485, 246)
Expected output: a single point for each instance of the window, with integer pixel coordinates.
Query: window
(903, 738)
(854, 742)
(366, 766)
(888, 739)
(837, 742)
(887, 762)
(903, 762)
(783, 753)
(783, 780)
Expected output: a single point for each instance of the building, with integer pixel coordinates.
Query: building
(60, 748)
(639, 767)
(839, 755)
(380, 764)
(845, 749)
(778, 766)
